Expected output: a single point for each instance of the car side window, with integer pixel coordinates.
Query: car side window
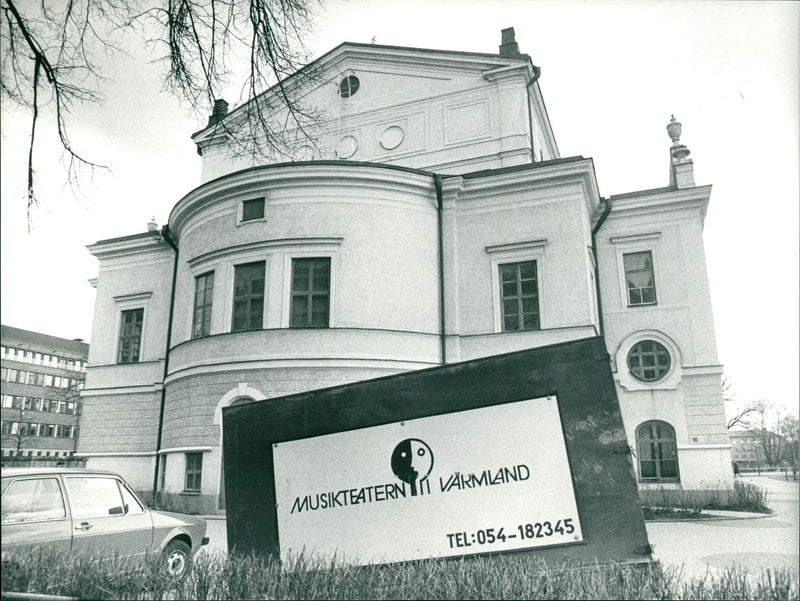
(132, 505)
(33, 500)
(94, 497)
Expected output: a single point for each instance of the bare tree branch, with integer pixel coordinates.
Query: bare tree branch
(198, 41)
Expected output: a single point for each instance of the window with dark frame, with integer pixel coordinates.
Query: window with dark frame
(130, 336)
(194, 472)
(311, 285)
(639, 278)
(253, 209)
(649, 360)
(349, 86)
(519, 296)
(657, 452)
(248, 296)
(203, 301)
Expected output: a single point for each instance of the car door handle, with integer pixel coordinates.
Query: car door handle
(83, 526)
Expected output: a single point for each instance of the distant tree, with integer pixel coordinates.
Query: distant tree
(741, 415)
(765, 425)
(744, 415)
(52, 53)
(789, 429)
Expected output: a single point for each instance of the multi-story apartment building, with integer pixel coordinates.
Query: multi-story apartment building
(428, 218)
(40, 380)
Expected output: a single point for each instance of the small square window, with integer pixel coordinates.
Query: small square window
(253, 209)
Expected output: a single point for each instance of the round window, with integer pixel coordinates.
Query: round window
(348, 86)
(649, 360)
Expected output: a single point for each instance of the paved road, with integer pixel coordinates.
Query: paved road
(754, 544)
(702, 546)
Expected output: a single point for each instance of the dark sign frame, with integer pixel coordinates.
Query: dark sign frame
(577, 372)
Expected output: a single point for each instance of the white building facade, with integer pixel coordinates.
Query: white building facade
(427, 219)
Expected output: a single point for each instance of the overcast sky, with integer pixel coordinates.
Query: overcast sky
(612, 74)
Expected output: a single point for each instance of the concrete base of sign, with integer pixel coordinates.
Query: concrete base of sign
(518, 452)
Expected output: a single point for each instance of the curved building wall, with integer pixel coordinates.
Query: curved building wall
(379, 228)
(377, 225)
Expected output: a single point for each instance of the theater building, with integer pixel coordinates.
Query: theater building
(427, 219)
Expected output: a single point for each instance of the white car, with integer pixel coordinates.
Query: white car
(77, 509)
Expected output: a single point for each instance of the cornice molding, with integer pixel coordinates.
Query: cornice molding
(308, 175)
(263, 244)
(128, 245)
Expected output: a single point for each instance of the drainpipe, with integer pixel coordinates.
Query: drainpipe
(596, 229)
(168, 238)
(437, 184)
(536, 73)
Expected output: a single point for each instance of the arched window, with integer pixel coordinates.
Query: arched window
(657, 452)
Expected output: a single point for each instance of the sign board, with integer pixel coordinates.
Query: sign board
(515, 446)
(476, 481)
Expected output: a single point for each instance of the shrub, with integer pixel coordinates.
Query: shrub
(167, 501)
(688, 503)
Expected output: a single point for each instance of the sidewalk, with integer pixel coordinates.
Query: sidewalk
(731, 539)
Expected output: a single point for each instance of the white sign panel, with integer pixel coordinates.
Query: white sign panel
(478, 481)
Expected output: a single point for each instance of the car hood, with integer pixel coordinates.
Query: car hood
(175, 520)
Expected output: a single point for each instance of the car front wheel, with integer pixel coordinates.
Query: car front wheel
(177, 559)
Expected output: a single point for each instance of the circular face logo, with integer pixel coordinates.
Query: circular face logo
(412, 462)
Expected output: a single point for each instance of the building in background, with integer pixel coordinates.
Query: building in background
(40, 380)
(427, 219)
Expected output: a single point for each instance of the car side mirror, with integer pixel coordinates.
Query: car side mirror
(116, 511)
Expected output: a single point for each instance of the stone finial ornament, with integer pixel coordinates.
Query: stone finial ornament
(678, 150)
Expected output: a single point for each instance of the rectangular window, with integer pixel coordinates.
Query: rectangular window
(130, 336)
(311, 284)
(203, 293)
(248, 296)
(253, 209)
(639, 278)
(519, 296)
(194, 471)
(33, 500)
(94, 497)
(35, 379)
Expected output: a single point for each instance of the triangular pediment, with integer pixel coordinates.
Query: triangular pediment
(421, 108)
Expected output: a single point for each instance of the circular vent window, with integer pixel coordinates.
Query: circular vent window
(649, 360)
(348, 86)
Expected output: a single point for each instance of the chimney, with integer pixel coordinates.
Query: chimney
(220, 110)
(152, 225)
(681, 168)
(508, 44)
